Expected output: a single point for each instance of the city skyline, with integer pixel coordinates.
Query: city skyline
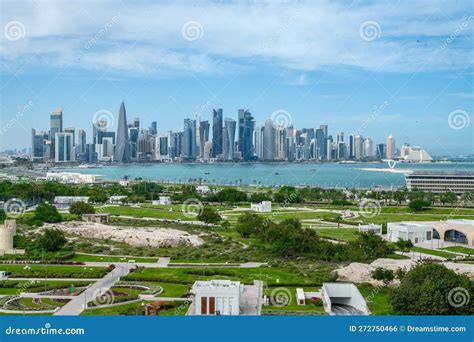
(277, 139)
(347, 66)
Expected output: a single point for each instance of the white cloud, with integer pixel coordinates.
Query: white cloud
(141, 38)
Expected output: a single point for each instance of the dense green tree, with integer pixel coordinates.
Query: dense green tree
(419, 204)
(47, 213)
(248, 224)
(81, 208)
(431, 288)
(52, 240)
(372, 245)
(287, 194)
(209, 215)
(404, 245)
(231, 195)
(383, 274)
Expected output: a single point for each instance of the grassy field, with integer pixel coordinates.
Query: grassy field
(460, 249)
(377, 299)
(109, 258)
(53, 271)
(270, 275)
(11, 287)
(434, 252)
(342, 234)
(292, 306)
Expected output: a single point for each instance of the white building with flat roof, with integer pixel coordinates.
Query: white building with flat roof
(64, 202)
(413, 231)
(226, 298)
(262, 207)
(217, 297)
(371, 228)
(162, 200)
(72, 177)
(458, 231)
(203, 189)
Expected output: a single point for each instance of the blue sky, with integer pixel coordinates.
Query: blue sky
(374, 67)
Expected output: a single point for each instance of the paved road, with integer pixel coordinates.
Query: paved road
(77, 304)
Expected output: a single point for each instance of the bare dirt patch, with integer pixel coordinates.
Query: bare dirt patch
(134, 236)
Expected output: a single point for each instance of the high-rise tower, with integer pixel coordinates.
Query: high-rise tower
(122, 147)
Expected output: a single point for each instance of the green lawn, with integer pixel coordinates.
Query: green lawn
(460, 249)
(11, 287)
(292, 306)
(434, 252)
(173, 290)
(187, 276)
(377, 299)
(397, 256)
(53, 271)
(343, 234)
(108, 258)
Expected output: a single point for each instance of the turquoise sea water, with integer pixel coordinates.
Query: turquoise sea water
(270, 174)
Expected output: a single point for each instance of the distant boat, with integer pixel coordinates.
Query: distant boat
(207, 173)
(276, 173)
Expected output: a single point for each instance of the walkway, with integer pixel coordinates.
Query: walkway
(79, 302)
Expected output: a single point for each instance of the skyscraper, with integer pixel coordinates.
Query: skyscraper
(246, 134)
(203, 136)
(217, 132)
(37, 146)
(189, 140)
(122, 148)
(64, 147)
(229, 138)
(390, 147)
(56, 126)
(153, 128)
(269, 140)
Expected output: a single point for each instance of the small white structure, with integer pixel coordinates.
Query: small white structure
(343, 299)
(3, 275)
(7, 233)
(63, 202)
(203, 189)
(124, 182)
(371, 228)
(117, 199)
(300, 297)
(162, 200)
(72, 177)
(226, 298)
(217, 297)
(262, 207)
(413, 231)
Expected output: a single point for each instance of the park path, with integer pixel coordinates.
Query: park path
(78, 304)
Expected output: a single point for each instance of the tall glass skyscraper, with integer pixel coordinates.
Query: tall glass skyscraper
(56, 126)
(122, 148)
(217, 132)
